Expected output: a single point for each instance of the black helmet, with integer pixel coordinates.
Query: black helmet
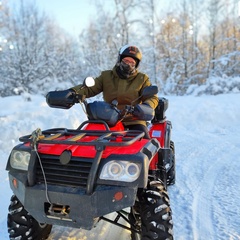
(130, 51)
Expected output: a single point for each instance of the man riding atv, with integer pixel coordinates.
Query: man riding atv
(110, 164)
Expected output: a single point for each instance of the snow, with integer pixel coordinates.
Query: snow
(205, 200)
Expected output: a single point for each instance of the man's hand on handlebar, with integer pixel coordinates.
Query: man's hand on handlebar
(143, 112)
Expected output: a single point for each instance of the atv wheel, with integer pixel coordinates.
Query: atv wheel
(155, 216)
(171, 174)
(21, 225)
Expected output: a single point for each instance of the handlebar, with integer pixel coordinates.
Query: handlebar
(98, 110)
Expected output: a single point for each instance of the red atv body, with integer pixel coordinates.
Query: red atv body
(74, 177)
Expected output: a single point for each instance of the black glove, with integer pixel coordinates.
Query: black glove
(61, 99)
(143, 112)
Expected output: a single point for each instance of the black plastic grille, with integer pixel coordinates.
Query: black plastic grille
(75, 173)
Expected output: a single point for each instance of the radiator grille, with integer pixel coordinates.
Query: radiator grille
(75, 173)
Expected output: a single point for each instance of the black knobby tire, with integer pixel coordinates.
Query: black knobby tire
(171, 174)
(23, 226)
(154, 214)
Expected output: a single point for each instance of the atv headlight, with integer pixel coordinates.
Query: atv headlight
(19, 159)
(121, 171)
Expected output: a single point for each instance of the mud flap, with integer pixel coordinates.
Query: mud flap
(164, 163)
(167, 160)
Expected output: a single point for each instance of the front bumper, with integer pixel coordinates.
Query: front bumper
(70, 206)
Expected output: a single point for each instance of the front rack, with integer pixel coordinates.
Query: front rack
(77, 137)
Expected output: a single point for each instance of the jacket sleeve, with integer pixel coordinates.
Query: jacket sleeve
(90, 91)
(153, 101)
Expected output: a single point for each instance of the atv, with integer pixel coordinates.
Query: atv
(75, 177)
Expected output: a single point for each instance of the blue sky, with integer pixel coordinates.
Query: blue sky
(72, 15)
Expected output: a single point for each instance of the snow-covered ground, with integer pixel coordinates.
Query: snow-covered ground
(206, 197)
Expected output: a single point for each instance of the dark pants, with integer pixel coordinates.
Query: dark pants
(140, 127)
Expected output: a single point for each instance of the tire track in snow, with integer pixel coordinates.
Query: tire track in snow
(212, 200)
(203, 206)
(227, 197)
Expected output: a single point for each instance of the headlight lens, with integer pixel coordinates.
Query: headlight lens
(115, 169)
(121, 171)
(20, 159)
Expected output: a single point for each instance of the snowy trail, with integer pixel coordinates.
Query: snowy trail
(205, 200)
(208, 188)
(208, 175)
(213, 198)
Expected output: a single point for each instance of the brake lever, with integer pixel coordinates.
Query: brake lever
(129, 109)
(80, 98)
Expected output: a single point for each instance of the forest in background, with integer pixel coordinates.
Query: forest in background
(193, 44)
